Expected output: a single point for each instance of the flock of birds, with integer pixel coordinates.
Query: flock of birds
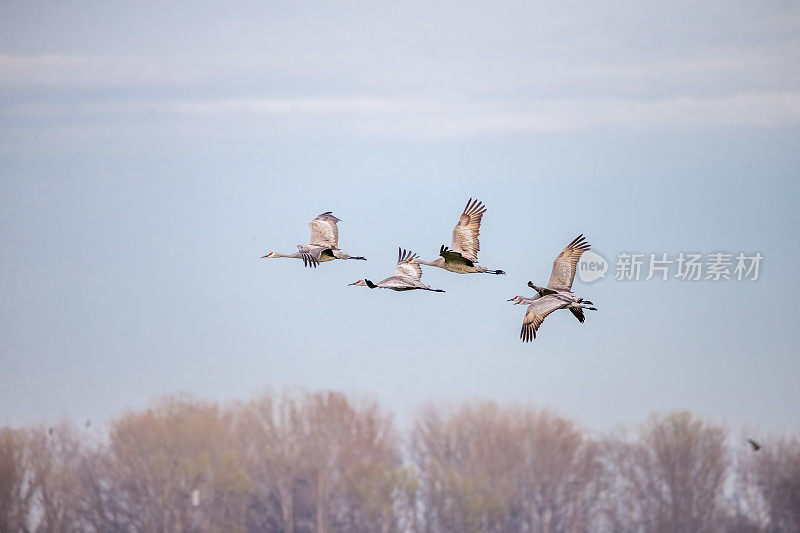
(462, 258)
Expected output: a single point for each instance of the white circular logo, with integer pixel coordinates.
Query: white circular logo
(592, 267)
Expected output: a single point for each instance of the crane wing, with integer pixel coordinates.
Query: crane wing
(465, 234)
(324, 231)
(405, 266)
(566, 263)
(536, 313)
(310, 255)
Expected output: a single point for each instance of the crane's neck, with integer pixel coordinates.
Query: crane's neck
(435, 263)
(293, 256)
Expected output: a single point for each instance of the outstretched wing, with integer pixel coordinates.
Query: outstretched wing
(465, 234)
(310, 255)
(566, 263)
(536, 314)
(324, 231)
(405, 266)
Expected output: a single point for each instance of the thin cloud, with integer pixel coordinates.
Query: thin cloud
(699, 74)
(450, 117)
(420, 98)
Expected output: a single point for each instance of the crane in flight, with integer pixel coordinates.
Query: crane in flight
(462, 256)
(406, 277)
(323, 245)
(558, 293)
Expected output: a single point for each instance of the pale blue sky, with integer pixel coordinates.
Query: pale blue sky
(150, 153)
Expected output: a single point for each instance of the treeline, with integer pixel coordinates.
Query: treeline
(323, 462)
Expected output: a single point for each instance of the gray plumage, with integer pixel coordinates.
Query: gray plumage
(537, 312)
(566, 264)
(407, 275)
(558, 293)
(541, 306)
(462, 256)
(322, 246)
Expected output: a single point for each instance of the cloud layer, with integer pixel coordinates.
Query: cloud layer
(424, 73)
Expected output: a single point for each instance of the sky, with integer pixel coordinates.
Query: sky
(150, 153)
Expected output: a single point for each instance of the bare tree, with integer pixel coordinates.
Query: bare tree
(671, 478)
(17, 484)
(322, 462)
(562, 474)
(158, 461)
(486, 468)
(272, 453)
(466, 461)
(56, 456)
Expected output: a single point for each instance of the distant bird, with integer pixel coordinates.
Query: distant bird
(88, 422)
(50, 430)
(462, 256)
(406, 277)
(558, 293)
(323, 246)
(756, 446)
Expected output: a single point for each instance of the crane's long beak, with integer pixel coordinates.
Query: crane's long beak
(514, 299)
